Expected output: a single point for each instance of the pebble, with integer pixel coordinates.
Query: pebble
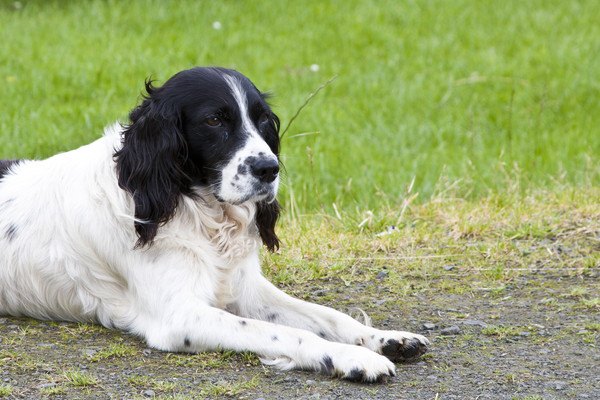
(475, 322)
(48, 345)
(448, 267)
(428, 326)
(46, 385)
(149, 393)
(558, 385)
(310, 382)
(89, 352)
(319, 292)
(452, 330)
(382, 275)
(146, 352)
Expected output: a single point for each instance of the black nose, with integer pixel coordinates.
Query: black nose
(265, 169)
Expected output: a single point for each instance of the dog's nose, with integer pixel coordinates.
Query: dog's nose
(265, 169)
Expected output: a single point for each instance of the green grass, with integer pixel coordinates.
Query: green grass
(464, 96)
(5, 390)
(79, 378)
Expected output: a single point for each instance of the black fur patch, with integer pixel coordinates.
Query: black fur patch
(243, 323)
(327, 365)
(274, 338)
(322, 334)
(396, 351)
(242, 169)
(272, 317)
(5, 166)
(356, 375)
(186, 342)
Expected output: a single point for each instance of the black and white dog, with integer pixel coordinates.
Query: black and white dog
(155, 229)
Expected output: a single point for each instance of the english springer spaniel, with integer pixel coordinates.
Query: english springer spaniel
(155, 229)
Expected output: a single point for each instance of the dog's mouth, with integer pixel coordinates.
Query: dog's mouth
(258, 192)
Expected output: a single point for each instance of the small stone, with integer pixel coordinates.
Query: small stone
(475, 322)
(149, 393)
(310, 382)
(448, 267)
(48, 345)
(319, 292)
(452, 330)
(146, 352)
(46, 385)
(560, 385)
(524, 334)
(431, 377)
(89, 352)
(382, 274)
(428, 326)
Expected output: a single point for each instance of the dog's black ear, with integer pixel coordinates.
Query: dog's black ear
(266, 218)
(150, 164)
(268, 213)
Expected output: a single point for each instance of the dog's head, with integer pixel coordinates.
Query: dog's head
(205, 127)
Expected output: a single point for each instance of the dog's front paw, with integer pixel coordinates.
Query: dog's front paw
(399, 346)
(357, 364)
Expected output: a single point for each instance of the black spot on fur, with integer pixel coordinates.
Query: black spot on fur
(243, 323)
(249, 160)
(274, 338)
(372, 336)
(272, 317)
(322, 334)
(5, 166)
(242, 169)
(299, 341)
(186, 342)
(381, 340)
(327, 365)
(356, 375)
(11, 233)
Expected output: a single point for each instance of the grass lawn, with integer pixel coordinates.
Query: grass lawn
(449, 175)
(479, 94)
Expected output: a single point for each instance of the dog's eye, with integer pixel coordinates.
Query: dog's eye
(213, 121)
(264, 118)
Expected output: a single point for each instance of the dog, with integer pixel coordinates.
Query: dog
(155, 229)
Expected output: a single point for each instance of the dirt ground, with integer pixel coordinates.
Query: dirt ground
(528, 342)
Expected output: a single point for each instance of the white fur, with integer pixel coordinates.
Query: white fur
(199, 286)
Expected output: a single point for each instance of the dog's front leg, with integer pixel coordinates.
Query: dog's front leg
(209, 328)
(261, 300)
